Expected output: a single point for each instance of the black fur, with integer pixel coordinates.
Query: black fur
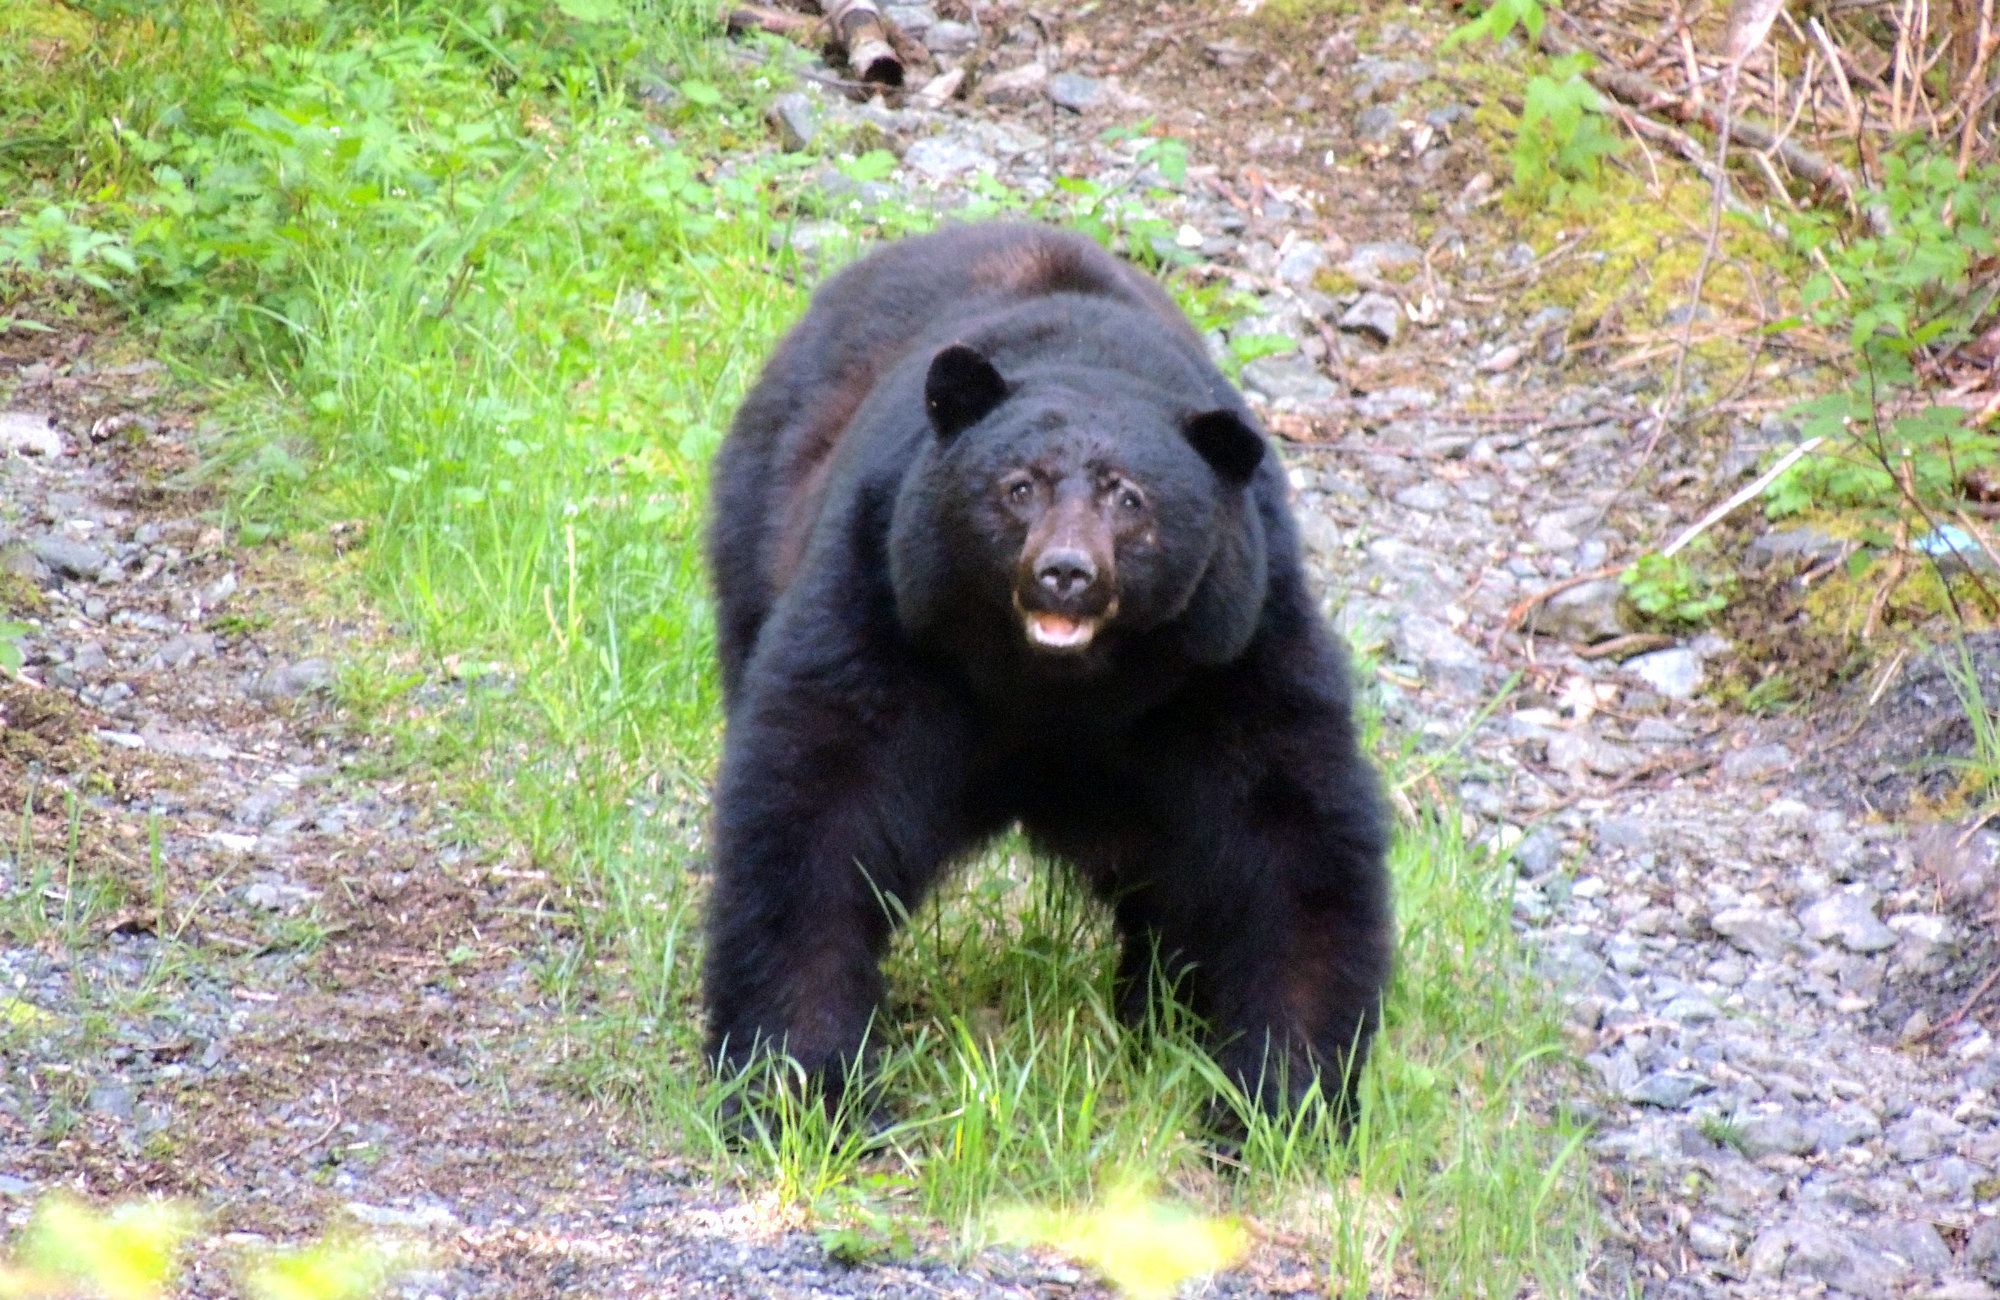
(1196, 761)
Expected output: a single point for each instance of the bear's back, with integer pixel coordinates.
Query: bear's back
(867, 319)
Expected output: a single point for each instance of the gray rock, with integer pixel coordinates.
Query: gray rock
(1758, 931)
(1848, 918)
(419, 1217)
(184, 650)
(1584, 614)
(1426, 498)
(1921, 1135)
(1374, 258)
(1443, 656)
(1803, 1251)
(1668, 1089)
(1577, 753)
(1756, 762)
(287, 681)
(1373, 75)
(1301, 262)
(265, 896)
(1798, 547)
(1962, 1288)
(259, 807)
(807, 238)
(1846, 1125)
(942, 157)
(1676, 673)
(1292, 379)
(1075, 92)
(950, 38)
(1375, 314)
(71, 559)
(1321, 534)
(1022, 85)
(88, 660)
(914, 20)
(795, 119)
(111, 1100)
(936, 92)
(1376, 123)
(1623, 833)
(28, 433)
(1538, 853)
(215, 593)
(1982, 1250)
(1690, 1009)
(1949, 1179)
(1709, 1241)
(1916, 1244)
(1766, 1135)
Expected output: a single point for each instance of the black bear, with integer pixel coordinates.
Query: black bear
(995, 543)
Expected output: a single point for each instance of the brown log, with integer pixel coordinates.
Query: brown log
(862, 31)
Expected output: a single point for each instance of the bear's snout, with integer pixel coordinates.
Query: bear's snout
(1065, 572)
(1066, 586)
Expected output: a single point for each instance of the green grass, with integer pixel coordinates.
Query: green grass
(453, 293)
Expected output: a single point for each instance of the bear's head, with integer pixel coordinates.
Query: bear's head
(1079, 506)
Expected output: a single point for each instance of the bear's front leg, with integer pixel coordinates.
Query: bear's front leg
(1271, 886)
(833, 817)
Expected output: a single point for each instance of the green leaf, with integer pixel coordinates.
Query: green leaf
(875, 165)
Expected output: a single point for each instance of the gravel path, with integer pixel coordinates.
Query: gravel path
(1760, 968)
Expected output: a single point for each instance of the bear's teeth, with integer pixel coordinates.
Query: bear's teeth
(1058, 632)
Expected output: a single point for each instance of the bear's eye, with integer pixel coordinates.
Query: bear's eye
(1129, 499)
(1019, 491)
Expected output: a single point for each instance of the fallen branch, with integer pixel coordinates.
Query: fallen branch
(761, 18)
(1527, 604)
(1984, 47)
(1625, 647)
(1743, 494)
(1649, 96)
(1965, 1008)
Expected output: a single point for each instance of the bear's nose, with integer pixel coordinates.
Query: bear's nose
(1065, 572)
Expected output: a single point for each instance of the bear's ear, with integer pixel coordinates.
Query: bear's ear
(961, 390)
(1226, 442)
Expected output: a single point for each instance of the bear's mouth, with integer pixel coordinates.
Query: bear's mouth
(1060, 631)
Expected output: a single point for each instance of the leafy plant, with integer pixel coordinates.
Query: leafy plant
(1897, 294)
(864, 1232)
(54, 250)
(1245, 348)
(1497, 20)
(1671, 589)
(1564, 138)
(11, 655)
(1870, 458)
